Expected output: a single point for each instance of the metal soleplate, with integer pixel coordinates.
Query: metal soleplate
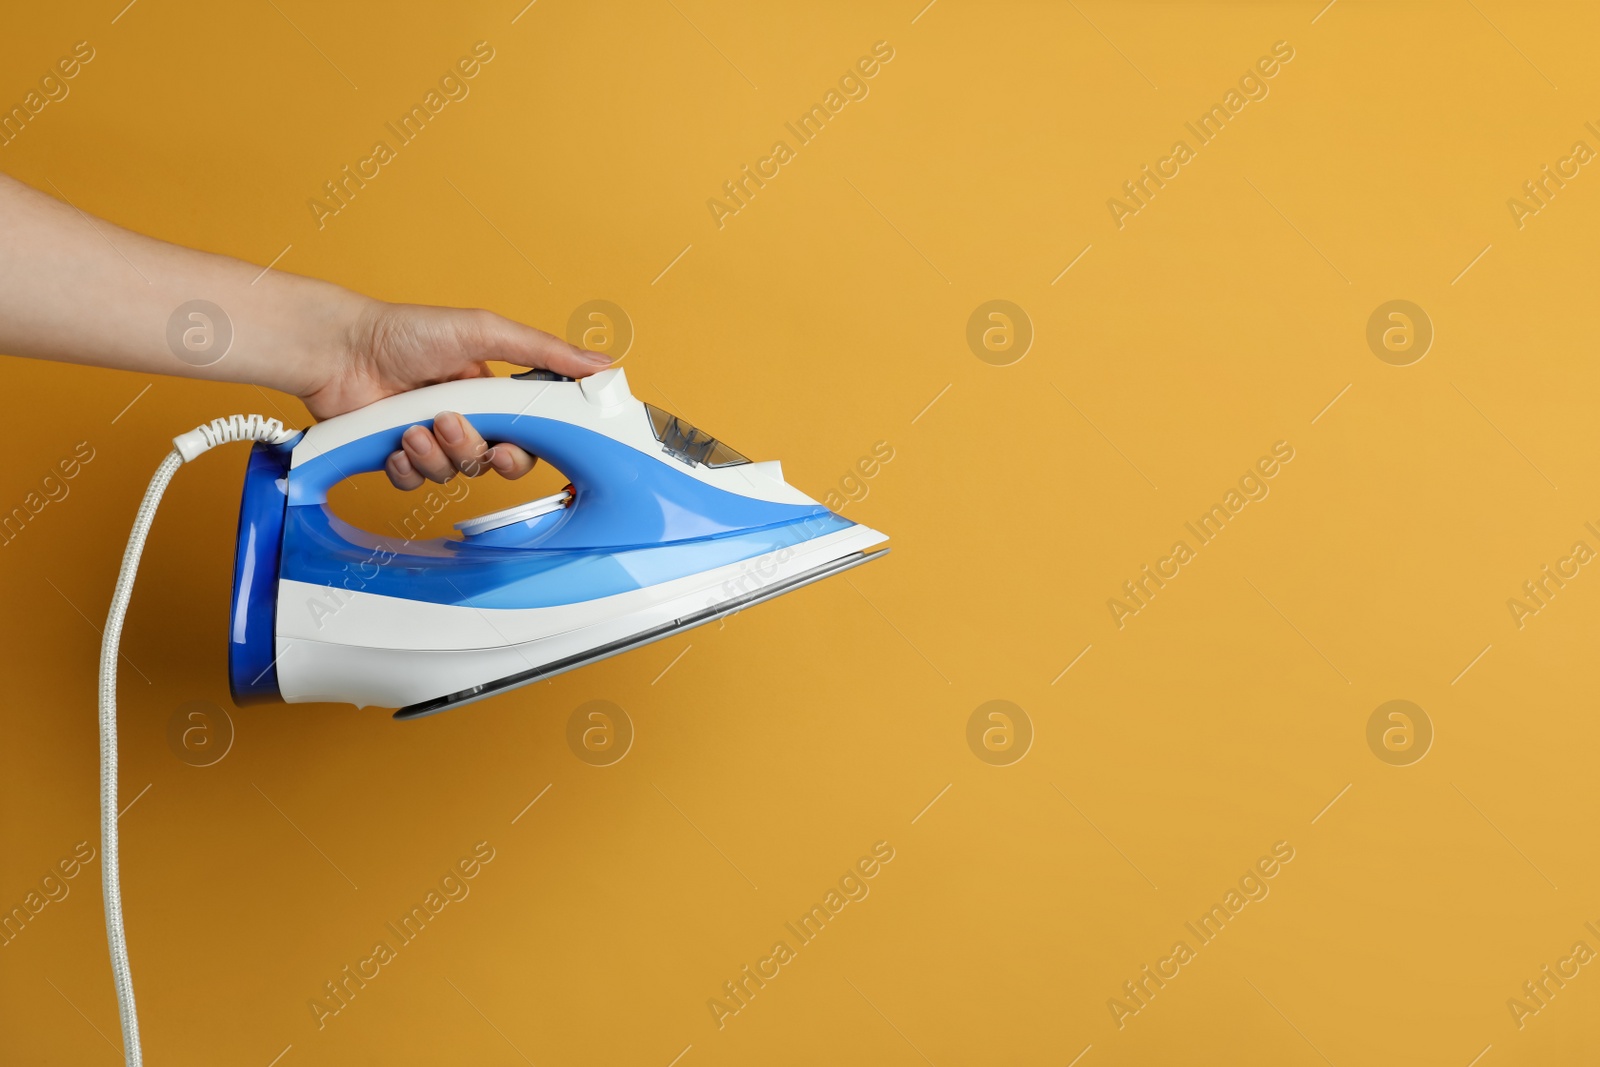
(688, 622)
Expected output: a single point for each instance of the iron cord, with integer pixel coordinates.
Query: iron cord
(186, 447)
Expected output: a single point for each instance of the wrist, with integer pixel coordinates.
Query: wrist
(313, 334)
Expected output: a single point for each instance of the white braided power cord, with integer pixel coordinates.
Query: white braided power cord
(186, 447)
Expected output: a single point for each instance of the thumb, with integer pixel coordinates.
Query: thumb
(513, 342)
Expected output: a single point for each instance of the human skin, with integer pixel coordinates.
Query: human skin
(78, 289)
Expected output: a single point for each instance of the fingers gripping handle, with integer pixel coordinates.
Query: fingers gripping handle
(545, 418)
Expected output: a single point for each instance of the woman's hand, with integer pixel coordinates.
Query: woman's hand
(393, 348)
(104, 296)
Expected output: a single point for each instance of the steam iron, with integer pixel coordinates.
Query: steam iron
(663, 528)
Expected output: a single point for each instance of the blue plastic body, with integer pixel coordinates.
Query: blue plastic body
(636, 521)
(252, 625)
(320, 549)
(625, 498)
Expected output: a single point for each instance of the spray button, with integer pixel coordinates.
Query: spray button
(607, 388)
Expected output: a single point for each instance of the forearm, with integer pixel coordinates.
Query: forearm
(81, 290)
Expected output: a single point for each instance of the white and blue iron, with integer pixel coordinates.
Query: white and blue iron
(662, 529)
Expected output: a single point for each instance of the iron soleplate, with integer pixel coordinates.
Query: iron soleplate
(687, 622)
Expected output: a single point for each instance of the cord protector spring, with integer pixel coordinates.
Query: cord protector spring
(185, 447)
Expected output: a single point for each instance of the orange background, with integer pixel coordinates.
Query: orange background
(770, 754)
